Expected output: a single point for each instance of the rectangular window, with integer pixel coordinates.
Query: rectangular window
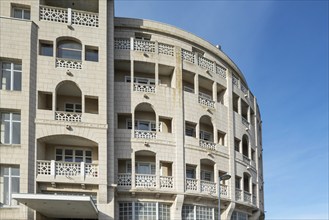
(144, 210)
(145, 168)
(143, 125)
(10, 129)
(188, 212)
(46, 48)
(125, 211)
(21, 12)
(9, 184)
(91, 53)
(207, 175)
(73, 107)
(190, 172)
(11, 76)
(73, 155)
(206, 136)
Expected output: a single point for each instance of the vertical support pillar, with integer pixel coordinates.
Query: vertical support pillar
(82, 170)
(156, 74)
(214, 92)
(239, 106)
(131, 43)
(52, 168)
(196, 85)
(69, 16)
(133, 170)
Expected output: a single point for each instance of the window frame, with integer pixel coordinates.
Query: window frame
(74, 109)
(23, 9)
(10, 177)
(50, 43)
(202, 135)
(151, 125)
(3, 130)
(89, 49)
(74, 156)
(204, 176)
(59, 49)
(12, 75)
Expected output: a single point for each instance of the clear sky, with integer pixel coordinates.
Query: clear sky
(282, 49)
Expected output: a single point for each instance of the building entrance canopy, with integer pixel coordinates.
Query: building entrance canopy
(59, 206)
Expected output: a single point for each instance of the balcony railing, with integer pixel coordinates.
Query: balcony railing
(235, 81)
(188, 56)
(206, 63)
(144, 88)
(238, 194)
(208, 187)
(68, 116)
(144, 46)
(60, 168)
(207, 145)
(145, 134)
(221, 71)
(224, 190)
(247, 197)
(68, 16)
(166, 182)
(124, 179)
(191, 184)
(68, 64)
(207, 102)
(246, 159)
(145, 180)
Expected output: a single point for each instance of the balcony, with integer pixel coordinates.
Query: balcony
(245, 197)
(207, 145)
(191, 184)
(68, 116)
(144, 46)
(68, 16)
(145, 134)
(54, 168)
(145, 181)
(68, 63)
(139, 87)
(208, 187)
(206, 102)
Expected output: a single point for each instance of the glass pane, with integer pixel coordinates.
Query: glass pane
(46, 49)
(78, 108)
(18, 13)
(18, 67)
(15, 171)
(5, 80)
(70, 45)
(88, 153)
(6, 191)
(69, 54)
(144, 169)
(68, 158)
(16, 135)
(78, 159)
(143, 126)
(59, 158)
(6, 66)
(92, 55)
(17, 81)
(68, 152)
(59, 151)
(4, 171)
(16, 117)
(88, 160)
(27, 14)
(7, 133)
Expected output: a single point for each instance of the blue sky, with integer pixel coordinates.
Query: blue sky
(282, 49)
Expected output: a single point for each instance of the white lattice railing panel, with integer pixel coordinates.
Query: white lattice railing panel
(68, 116)
(235, 81)
(191, 184)
(122, 43)
(245, 121)
(69, 64)
(247, 197)
(144, 88)
(208, 187)
(145, 134)
(124, 179)
(144, 45)
(206, 102)
(166, 182)
(53, 14)
(145, 180)
(206, 64)
(44, 167)
(221, 71)
(84, 18)
(91, 170)
(166, 49)
(68, 169)
(224, 190)
(254, 200)
(238, 194)
(244, 89)
(188, 56)
(207, 145)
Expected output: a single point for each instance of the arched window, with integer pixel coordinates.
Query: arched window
(69, 49)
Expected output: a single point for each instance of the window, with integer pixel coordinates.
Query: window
(69, 49)
(238, 182)
(70, 107)
(239, 216)
(142, 36)
(141, 80)
(10, 128)
(207, 175)
(189, 131)
(143, 125)
(205, 96)
(144, 210)
(9, 184)
(21, 12)
(91, 53)
(46, 48)
(195, 212)
(11, 76)
(206, 136)
(237, 145)
(190, 172)
(145, 168)
(73, 155)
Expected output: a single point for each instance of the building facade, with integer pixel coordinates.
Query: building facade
(117, 118)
